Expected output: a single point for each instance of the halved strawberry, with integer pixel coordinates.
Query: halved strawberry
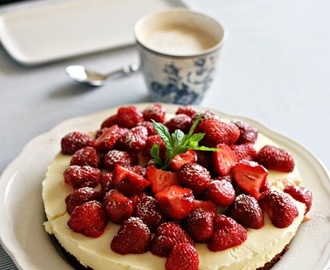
(133, 237)
(247, 212)
(107, 139)
(175, 201)
(128, 182)
(160, 179)
(279, 207)
(182, 256)
(275, 158)
(250, 177)
(224, 159)
(117, 206)
(179, 160)
(301, 194)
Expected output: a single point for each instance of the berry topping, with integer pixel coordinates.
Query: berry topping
(80, 196)
(275, 158)
(247, 212)
(129, 117)
(151, 140)
(179, 121)
(279, 207)
(160, 179)
(224, 159)
(74, 141)
(250, 177)
(87, 156)
(134, 140)
(122, 158)
(110, 121)
(221, 192)
(154, 112)
(107, 138)
(245, 151)
(187, 110)
(133, 237)
(89, 219)
(82, 176)
(300, 194)
(180, 159)
(182, 256)
(248, 133)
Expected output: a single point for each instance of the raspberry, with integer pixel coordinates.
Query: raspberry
(182, 256)
(80, 196)
(74, 141)
(89, 219)
(154, 112)
(179, 121)
(82, 176)
(87, 156)
(122, 158)
(133, 237)
(134, 140)
(129, 117)
(221, 192)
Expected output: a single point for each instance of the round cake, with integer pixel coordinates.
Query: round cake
(184, 189)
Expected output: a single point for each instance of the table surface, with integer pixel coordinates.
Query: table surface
(274, 69)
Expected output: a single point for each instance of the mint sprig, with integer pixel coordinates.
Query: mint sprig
(177, 142)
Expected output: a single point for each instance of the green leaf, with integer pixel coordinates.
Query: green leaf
(155, 154)
(163, 133)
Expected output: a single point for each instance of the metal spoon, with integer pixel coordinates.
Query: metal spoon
(82, 75)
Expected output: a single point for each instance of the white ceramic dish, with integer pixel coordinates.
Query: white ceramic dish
(22, 214)
(61, 29)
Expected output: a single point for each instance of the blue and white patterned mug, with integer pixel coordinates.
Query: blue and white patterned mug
(179, 51)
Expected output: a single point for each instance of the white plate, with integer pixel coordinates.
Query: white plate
(22, 214)
(61, 29)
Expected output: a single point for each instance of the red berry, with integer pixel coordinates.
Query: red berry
(74, 141)
(179, 121)
(129, 117)
(148, 210)
(206, 115)
(195, 177)
(134, 140)
(89, 219)
(199, 225)
(223, 159)
(117, 206)
(151, 140)
(275, 158)
(154, 112)
(187, 110)
(217, 132)
(80, 196)
(221, 192)
(107, 139)
(133, 237)
(205, 205)
(248, 133)
(300, 194)
(250, 177)
(279, 207)
(247, 212)
(149, 126)
(167, 235)
(110, 121)
(176, 202)
(180, 159)
(122, 158)
(182, 256)
(227, 234)
(245, 151)
(82, 176)
(160, 179)
(87, 156)
(106, 183)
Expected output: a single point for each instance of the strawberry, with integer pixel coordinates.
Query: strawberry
(106, 182)
(217, 132)
(154, 112)
(275, 158)
(279, 207)
(138, 169)
(160, 179)
(80, 196)
(149, 126)
(151, 140)
(117, 206)
(134, 140)
(82, 176)
(179, 121)
(248, 133)
(86, 156)
(250, 177)
(221, 192)
(74, 141)
(195, 177)
(122, 158)
(176, 202)
(205, 205)
(109, 121)
(247, 212)
(205, 159)
(206, 115)
(148, 211)
(224, 159)
(128, 182)
(245, 151)
(300, 194)
(133, 237)
(187, 110)
(89, 219)
(107, 138)
(199, 225)
(227, 233)
(182, 256)
(180, 159)
(129, 117)
(166, 236)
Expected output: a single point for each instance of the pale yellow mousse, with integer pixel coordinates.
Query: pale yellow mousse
(260, 247)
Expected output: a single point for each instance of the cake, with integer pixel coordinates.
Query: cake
(258, 236)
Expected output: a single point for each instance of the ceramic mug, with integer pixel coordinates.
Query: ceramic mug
(179, 51)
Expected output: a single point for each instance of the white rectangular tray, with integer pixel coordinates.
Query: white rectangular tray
(62, 29)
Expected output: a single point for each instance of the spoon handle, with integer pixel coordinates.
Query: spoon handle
(121, 72)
